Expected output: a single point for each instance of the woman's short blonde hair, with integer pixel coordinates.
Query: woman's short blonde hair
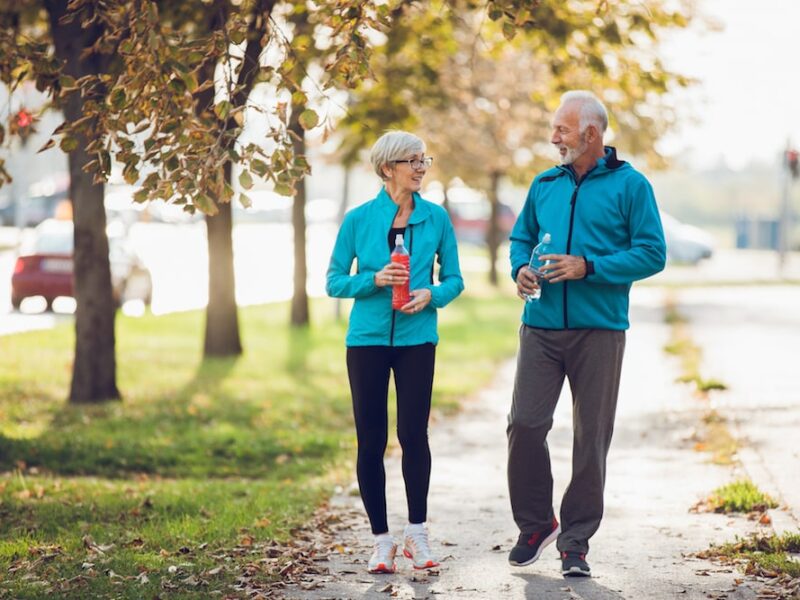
(394, 145)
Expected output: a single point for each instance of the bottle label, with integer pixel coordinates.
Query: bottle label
(401, 293)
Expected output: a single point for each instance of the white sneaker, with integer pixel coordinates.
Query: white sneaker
(382, 559)
(417, 548)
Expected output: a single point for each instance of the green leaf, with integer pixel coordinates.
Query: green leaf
(245, 201)
(509, 31)
(223, 109)
(190, 79)
(284, 189)
(299, 98)
(204, 202)
(308, 119)
(117, 98)
(259, 166)
(66, 82)
(238, 35)
(130, 173)
(68, 144)
(245, 180)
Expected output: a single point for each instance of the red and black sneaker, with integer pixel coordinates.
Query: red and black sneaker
(530, 545)
(573, 564)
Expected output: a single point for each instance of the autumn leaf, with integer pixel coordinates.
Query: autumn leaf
(308, 119)
(68, 144)
(245, 180)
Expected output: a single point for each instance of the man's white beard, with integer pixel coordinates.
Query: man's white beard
(572, 154)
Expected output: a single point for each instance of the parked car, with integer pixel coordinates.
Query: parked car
(47, 269)
(686, 243)
(469, 212)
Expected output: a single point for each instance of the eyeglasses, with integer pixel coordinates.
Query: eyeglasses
(416, 163)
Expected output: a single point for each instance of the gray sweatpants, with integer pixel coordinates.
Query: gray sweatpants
(592, 360)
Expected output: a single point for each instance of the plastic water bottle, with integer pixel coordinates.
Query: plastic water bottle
(535, 264)
(401, 292)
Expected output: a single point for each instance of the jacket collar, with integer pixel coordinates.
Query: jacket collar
(386, 204)
(608, 162)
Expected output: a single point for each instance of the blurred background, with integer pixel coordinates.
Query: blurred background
(721, 156)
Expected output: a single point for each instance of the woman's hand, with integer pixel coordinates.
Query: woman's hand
(391, 274)
(419, 300)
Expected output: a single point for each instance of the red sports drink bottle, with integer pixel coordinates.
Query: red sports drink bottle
(400, 293)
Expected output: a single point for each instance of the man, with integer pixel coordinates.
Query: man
(606, 233)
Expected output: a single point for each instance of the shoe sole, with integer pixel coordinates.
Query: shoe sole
(576, 572)
(428, 565)
(382, 568)
(546, 542)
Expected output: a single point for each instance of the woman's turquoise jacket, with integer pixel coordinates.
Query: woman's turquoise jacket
(363, 238)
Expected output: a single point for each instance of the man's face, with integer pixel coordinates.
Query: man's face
(566, 137)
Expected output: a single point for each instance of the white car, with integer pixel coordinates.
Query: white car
(686, 243)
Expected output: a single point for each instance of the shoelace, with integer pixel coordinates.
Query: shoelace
(384, 547)
(420, 540)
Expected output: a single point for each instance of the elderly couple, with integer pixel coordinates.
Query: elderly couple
(606, 234)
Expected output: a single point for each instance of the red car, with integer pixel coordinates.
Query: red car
(47, 269)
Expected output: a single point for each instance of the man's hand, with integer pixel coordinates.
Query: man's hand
(563, 267)
(526, 282)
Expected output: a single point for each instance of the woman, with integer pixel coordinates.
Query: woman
(380, 339)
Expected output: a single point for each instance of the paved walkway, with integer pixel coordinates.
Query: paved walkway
(750, 338)
(644, 546)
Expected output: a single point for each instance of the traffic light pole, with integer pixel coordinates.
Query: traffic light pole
(789, 172)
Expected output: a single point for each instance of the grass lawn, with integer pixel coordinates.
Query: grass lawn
(153, 495)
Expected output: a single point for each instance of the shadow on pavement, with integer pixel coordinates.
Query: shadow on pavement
(537, 587)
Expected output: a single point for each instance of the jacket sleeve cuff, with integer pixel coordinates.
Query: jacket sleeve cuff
(589, 267)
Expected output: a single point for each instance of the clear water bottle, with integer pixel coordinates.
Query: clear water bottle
(401, 292)
(535, 264)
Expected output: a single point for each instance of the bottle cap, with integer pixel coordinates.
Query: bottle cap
(546, 238)
(398, 239)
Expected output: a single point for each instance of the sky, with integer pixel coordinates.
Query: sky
(748, 101)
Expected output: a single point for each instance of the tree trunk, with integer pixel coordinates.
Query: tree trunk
(222, 318)
(493, 230)
(94, 369)
(300, 314)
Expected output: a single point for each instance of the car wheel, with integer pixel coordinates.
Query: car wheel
(49, 304)
(16, 302)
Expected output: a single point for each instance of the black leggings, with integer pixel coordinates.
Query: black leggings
(368, 368)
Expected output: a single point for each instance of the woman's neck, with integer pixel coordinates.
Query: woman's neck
(404, 200)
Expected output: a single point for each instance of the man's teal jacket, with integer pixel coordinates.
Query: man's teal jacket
(610, 217)
(363, 237)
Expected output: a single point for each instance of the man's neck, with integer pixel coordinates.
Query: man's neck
(587, 161)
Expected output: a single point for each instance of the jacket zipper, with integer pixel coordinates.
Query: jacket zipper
(572, 202)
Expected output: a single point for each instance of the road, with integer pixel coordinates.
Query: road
(177, 256)
(749, 338)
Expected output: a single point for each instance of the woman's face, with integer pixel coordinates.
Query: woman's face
(407, 173)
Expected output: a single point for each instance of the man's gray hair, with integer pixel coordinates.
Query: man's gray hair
(394, 145)
(592, 110)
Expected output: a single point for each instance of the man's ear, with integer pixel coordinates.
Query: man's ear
(591, 133)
